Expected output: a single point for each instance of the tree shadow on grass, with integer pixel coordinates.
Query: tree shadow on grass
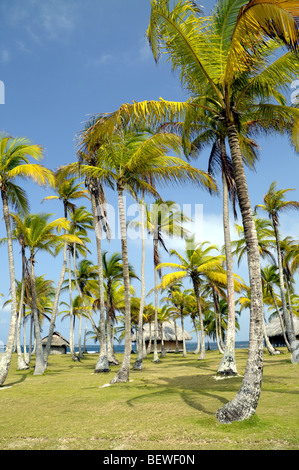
(10, 384)
(192, 390)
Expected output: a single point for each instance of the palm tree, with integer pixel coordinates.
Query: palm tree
(265, 238)
(163, 218)
(226, 60)
(67, 190)
(39, 235)
(138, 365)
(181, 300)
(197, 264)
(274, 204)
(14, 164)
(136, 162)
(112, 271)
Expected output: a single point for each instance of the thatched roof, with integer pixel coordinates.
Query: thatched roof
(58, 340)
(274, 329)
(168, 332)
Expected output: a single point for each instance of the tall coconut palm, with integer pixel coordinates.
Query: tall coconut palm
(14, 164)
(136, 162)
(225, 59)
(39, 235)
(274, 204)
(67, 190)
(218, 54)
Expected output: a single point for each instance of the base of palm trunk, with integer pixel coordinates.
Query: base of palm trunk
(102, 365)
(39, 369)
(121, 376)
(202, 356)
(138, 364)
(242, 406)
(227, 366)
(22, 365)
(113, 361)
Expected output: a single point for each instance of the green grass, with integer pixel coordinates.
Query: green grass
(166, 406)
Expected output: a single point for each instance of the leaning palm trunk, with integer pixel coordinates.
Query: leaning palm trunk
(245, 402)
(281, 321)
(272, 351)
(289, 329)
(6, 358)
(124, 372)
(40, 364)
(102, 363)
(227, 365)
(139, 361)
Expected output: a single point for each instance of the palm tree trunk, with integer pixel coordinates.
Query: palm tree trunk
(55, 304)
(183, 333)
(6, 358)
(40, 364)
(124, 372)
(272, 351)
(72, 348)
(111, 357)
(197, 349)
(21, 362)
(245, 402)
(176, 337)
(227, 365)
(290, 331)
(26, 354)
(149, 346)
(156, 356)
(217, 329)
(202, 333)
(139, 361)
(102, 364)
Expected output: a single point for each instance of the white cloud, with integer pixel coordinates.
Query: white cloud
(54, 19)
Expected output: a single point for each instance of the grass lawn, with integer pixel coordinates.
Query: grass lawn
(166, 406)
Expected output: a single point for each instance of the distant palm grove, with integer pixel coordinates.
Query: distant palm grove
(237, 66)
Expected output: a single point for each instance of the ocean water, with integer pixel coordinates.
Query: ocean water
(119, 348)
(190, 347)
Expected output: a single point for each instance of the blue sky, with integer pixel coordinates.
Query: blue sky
(62, 60)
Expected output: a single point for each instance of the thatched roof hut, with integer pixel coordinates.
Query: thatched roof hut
(169, 336)
(274, 331)
(59, 344)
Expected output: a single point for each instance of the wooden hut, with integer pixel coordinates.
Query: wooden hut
(169, 336)
(274, 331)
(59, 344)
